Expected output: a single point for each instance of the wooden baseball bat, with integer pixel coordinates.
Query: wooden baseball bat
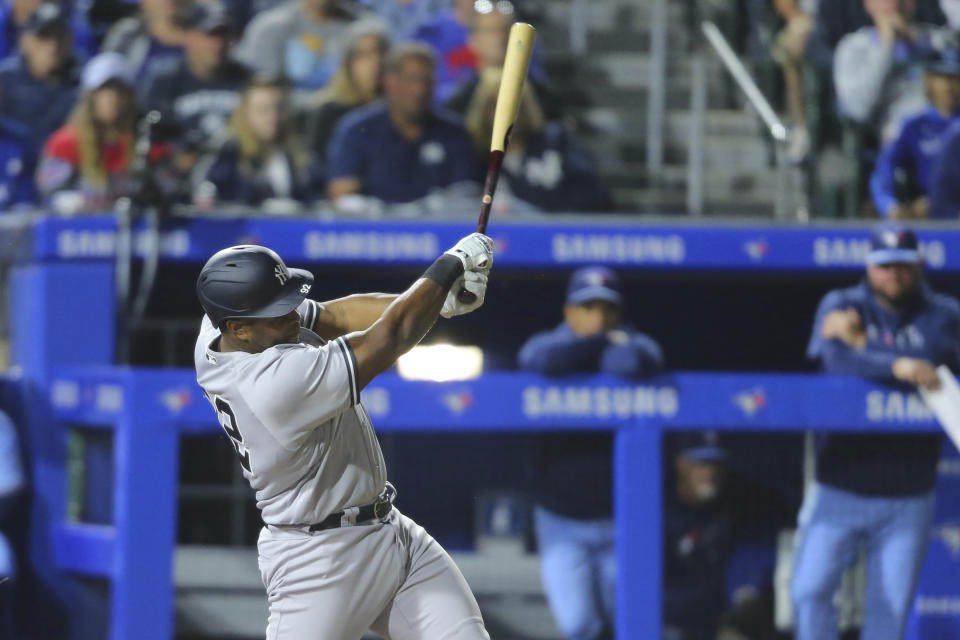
(515, 67)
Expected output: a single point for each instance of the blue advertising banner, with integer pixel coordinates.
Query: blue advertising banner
(517, 401)
(540, 244)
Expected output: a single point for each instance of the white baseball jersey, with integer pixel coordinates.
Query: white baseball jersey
(293, 414)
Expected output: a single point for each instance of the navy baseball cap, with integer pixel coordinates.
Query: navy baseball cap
(701, 446)
(594, 283)
(47, 18)
(209, 16)
(945, 63)
(892, 243)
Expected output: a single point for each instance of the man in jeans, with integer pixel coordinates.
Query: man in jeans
(874, 489)
(574, 515)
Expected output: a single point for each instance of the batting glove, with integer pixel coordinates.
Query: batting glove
(473, 281)
(475, 252)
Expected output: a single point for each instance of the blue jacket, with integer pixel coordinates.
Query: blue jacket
(945, 181)
(575, 471)
(40, 106)
(17, 163)
(909, 157)
(929, 328)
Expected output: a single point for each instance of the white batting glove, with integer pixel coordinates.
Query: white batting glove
(475, 252)
(473, 281)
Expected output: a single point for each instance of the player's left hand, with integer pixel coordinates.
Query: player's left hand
(473, 281)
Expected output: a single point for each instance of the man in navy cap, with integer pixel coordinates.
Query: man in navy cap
(875, 490)
(902, 178)
(574, 515)
(698, 538)
(38, 86)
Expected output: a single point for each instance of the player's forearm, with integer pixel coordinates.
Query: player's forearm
(353, 313)
(404, 323)
(839, 357)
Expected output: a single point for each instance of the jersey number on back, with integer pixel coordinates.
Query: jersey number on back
(229, 423)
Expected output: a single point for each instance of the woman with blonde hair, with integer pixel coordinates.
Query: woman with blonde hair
(543, 168)
(357, 81)
(91, 156)
(263, 160)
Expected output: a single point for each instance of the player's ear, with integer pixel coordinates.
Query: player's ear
(238, 329)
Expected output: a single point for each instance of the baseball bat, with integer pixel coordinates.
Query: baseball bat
(515, 67)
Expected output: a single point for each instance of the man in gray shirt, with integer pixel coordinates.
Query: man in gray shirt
(284, 376)
(301, 40)
(878, 70)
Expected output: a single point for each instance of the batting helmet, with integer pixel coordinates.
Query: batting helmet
(250, 281)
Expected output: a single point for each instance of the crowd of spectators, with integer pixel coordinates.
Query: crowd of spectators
(361, 105)
(885, 74)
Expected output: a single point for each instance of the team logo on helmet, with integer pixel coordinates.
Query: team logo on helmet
(281, 275)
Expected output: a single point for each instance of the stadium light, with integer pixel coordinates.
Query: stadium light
(441, 363)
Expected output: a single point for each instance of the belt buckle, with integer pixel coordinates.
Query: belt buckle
(381, 508)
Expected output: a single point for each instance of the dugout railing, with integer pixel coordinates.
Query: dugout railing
(148, 409)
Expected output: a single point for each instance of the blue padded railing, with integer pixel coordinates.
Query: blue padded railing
(149, 409)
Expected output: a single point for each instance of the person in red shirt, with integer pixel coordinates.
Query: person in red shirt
(85, 165)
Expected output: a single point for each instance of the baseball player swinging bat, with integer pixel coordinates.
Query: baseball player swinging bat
(515, 67)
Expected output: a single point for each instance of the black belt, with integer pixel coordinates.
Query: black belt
(376, 510)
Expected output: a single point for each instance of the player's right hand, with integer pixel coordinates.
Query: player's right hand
(475, 282)
(916, 371)
(475, 251)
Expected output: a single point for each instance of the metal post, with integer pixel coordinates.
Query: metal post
(657, 94)
(781, 208)
(695, 148)
(638, 516)
(578, 26)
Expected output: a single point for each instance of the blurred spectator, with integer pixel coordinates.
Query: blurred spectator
(197, 94)
(13, 528)
(15, 13)
(902, 178)
(489, 32)
(264, 162)
(836, 18)
(574, 493)
(447, 34)
(789, 48)
(874, 490)
(878, 70)
(18, 160)
(154, 33)
(698, 539)
(357, 81)
(87, 162)
(300, 39)
(405, 16)
(543, 166)
(399, 151)
(38, 86)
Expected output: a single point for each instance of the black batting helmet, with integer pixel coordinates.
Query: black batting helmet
(250, 281)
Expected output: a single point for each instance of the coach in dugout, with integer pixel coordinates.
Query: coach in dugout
(574, 514)
(874, 490)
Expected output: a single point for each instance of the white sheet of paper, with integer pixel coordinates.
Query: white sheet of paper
(945, 403)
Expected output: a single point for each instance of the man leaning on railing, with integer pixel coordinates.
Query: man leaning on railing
(874, 489)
